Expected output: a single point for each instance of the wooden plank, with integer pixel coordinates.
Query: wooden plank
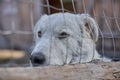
(89, 71)
(11, 54)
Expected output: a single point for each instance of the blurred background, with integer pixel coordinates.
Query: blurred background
(18, 17)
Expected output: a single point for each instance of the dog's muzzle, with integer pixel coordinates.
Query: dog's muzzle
(37, 59)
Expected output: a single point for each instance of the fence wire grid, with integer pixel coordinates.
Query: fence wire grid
(18, 18)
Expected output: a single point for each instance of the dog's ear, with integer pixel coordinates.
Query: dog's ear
(90, 25)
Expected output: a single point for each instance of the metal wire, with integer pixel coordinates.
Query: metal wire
(62, 7)
(102, 36)
(108, 26)
(51, 40)
(31, 15)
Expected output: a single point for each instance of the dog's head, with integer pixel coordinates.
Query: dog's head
(61, 37)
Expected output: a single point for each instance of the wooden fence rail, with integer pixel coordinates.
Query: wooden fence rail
(88, 71)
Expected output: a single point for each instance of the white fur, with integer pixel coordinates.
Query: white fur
(79, 47)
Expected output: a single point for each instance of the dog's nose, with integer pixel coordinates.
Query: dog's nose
(37, 59)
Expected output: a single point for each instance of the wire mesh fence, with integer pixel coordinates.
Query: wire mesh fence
(18, 18)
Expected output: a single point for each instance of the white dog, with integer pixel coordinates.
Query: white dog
(65, 38)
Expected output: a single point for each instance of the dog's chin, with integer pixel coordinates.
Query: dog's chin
(72, 60)
(46, 64)
(38, 65)
(42, 65)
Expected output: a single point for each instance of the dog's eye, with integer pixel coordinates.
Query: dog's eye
(63, 35)
(39, 33)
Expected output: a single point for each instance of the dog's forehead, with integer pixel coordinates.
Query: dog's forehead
(58, 22)
(61, 21)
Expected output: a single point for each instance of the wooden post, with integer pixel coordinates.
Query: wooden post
(89, 71)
